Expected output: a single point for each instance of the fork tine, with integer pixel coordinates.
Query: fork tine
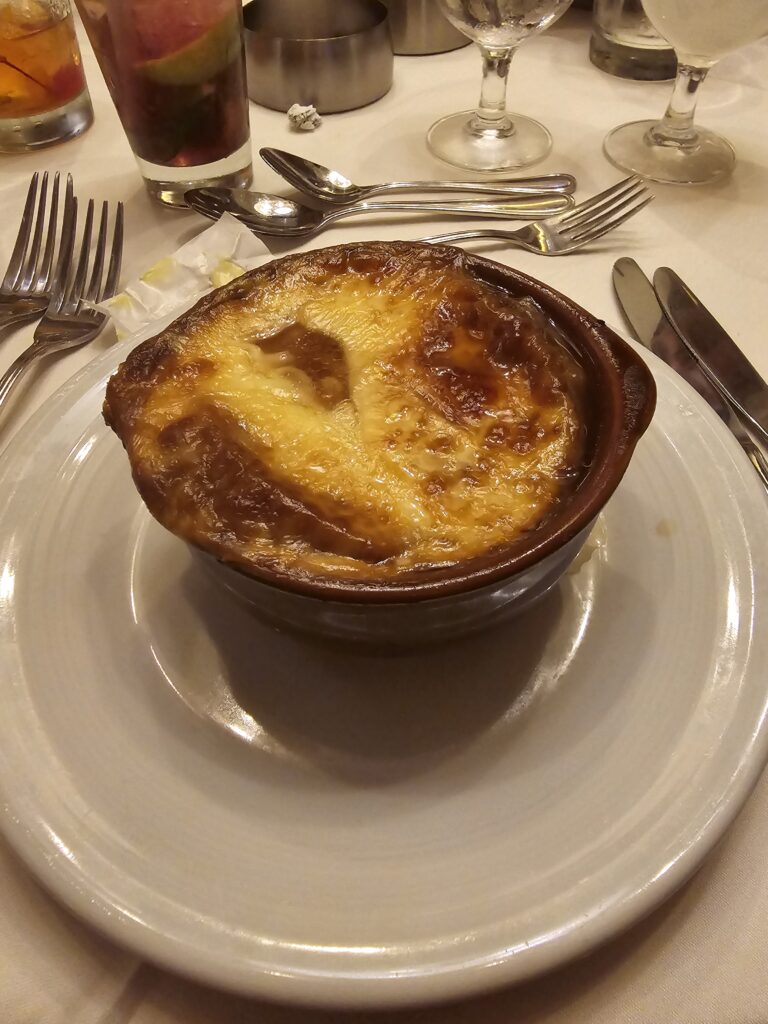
(605, 226)
(66, 250)
(622, 191)
(607, 194)
(77, 285)
(98, 264)
(116, 256)
(603, 213)
(27, 274)
(216, 208)
(20, 247)
(46, 263)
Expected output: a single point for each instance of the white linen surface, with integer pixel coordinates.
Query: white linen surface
(703, 957)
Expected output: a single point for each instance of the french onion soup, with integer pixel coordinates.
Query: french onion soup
(368, 412)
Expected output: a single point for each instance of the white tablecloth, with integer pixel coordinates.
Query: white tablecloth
(702, 958)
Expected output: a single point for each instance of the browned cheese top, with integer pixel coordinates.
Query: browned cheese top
(365, 412)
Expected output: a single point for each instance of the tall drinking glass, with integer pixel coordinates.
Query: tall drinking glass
(176, 73)
(489, 139)
(624, 43)
(675, 150)
(43, 95)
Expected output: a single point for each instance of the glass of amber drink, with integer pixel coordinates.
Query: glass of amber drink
(43, 95)
(176, 73)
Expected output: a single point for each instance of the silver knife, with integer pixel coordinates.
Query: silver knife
(719, 355)
(652, 329)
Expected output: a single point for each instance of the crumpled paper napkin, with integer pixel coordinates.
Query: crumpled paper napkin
(218, 255)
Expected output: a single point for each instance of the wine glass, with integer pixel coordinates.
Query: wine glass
(488, 139)
(674, 150)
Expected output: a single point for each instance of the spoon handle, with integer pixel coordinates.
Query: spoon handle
(565, 183)
(520, 209)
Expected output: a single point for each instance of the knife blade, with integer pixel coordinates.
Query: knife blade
(717, 353)
(651, 327)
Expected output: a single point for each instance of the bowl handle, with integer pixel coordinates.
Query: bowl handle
(638, 390)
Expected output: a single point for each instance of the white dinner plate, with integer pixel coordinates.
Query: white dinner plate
(297, 821)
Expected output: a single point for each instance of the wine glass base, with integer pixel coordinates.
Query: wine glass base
(453, 140)
(631, 148)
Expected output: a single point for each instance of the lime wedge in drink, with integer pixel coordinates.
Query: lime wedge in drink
(199, 60)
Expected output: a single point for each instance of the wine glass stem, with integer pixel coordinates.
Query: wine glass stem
(676, 127)
(491, 114)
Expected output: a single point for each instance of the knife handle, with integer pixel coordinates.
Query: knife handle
(727, 412)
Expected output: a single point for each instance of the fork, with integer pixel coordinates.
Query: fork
(70, 319)
(566, 232)
(25, 289)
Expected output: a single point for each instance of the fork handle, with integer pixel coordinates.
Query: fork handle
(458, 236)
(11, 319)
(15, 372)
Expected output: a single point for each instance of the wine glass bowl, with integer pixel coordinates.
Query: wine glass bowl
(674, 150)
(488, 138)
(501, 23)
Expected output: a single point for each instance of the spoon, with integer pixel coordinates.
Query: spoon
(274, 215)
(334, 187)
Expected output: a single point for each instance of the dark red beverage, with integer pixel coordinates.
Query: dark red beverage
(176, 73)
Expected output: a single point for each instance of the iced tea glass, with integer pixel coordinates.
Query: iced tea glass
(176, 73)
(43, 95)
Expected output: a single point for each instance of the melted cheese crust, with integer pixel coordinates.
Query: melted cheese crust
(362, 412)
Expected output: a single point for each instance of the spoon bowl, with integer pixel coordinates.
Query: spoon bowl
(314, 179)
(263, 213)
(333, 187)
(275, 215)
